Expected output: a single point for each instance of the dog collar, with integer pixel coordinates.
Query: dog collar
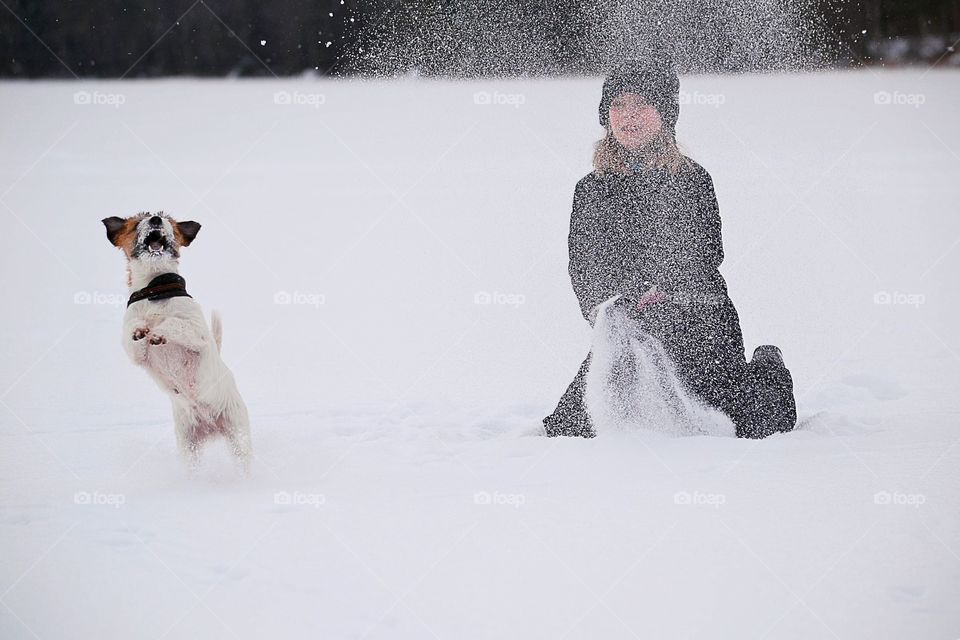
(166, 285)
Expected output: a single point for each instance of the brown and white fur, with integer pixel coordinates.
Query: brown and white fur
(171, 340)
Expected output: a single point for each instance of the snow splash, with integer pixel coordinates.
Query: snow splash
(518, 38)
(632, 384)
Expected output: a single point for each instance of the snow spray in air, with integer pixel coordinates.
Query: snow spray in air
(632, 383)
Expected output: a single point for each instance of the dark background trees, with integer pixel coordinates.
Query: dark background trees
(137, 38)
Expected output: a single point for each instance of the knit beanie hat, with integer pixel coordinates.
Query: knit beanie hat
(655, 80)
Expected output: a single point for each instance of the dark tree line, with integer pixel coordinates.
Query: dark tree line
(865, 30)
(136, 38)
(133, 38)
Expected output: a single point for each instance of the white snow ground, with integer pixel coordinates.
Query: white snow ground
(384, 398)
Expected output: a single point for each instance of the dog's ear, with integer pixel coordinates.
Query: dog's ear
(114, 226)
(188, 231)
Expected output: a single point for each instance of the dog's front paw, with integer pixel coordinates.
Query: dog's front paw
(155, 340)
(140, 334)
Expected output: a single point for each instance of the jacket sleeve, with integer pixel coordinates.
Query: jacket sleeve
(710, 253)
(593, 244)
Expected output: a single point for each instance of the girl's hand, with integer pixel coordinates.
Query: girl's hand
(653, 295)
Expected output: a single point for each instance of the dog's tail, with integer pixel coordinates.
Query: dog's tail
(216, 326)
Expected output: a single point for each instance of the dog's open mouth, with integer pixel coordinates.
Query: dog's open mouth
(155, 242)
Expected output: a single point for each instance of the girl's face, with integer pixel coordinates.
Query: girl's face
(634, 122)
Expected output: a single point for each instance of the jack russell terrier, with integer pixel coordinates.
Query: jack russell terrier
(165, 332)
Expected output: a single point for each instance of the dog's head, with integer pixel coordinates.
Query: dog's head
(146, 236)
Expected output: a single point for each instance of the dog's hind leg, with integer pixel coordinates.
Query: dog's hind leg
(237, 431)
(187, 440)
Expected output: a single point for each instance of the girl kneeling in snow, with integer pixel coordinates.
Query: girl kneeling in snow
(646, 226)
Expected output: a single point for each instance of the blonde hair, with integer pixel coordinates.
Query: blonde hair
(610, 156)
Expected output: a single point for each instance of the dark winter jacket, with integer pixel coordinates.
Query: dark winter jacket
(627, 231)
